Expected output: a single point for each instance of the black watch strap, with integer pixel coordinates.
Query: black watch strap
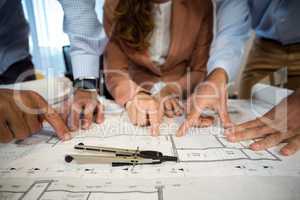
(89, 84)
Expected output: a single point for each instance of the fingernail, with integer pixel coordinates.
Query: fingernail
(255, 146)
(228, 125)
(85, 125)
(99, 121)
(231, 138)
(286, 152)
(67, 137)
(227, 133)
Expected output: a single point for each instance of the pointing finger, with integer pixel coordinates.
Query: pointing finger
(268, 142)
(88, 115)
(224, 115)
(244, 126)
(190, 121)
(52, 117)
(155, 118)
(251, 133)
(100, 114)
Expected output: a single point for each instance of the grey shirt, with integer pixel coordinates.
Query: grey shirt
(14, 32)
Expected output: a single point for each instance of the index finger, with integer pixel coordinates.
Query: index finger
(52, 117)
(154, 123)
(58, 124)
(155, 119)
(223, 113)
(244, 126)
(192, 117)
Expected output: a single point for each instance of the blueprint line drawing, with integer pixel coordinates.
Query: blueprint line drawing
(45, 189)
(217, 150)
(35, 191)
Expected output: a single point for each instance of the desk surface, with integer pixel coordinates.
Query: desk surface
(208, 167)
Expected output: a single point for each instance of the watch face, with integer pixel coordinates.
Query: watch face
(86, 84)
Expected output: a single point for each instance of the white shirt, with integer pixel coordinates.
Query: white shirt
(86, 34)
(160, 39)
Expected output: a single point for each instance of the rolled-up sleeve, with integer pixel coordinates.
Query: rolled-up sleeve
(86, 36)
(233, 29)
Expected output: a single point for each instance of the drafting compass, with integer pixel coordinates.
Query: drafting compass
(116, 156)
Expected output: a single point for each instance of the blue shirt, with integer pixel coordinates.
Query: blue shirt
(14, 31)
(235, 19)
(276, 19)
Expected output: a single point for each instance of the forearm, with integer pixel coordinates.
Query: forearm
(232, 32)
(189, 81)
(121, 86)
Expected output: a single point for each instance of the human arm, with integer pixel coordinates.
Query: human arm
(232, 32)
(142, 108)
(87, 41)
(23, 113)
(280, 124)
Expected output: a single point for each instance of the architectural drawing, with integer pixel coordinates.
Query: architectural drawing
(54, 189)
(41, 173)
(213, 148)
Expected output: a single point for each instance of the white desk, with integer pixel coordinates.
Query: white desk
(209, 167)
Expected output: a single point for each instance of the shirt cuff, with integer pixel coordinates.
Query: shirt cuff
(230, 69)
(85, 66)
(157, 87)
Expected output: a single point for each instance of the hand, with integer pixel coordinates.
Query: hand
(83, 109)
(172, 107)
(23, 113)
(144, 110)
(170, 101)
(273, 128)
(212, 94)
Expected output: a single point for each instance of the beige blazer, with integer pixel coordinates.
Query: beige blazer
(128, 71)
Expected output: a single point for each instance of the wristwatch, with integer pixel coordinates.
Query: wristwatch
(87, 84)
(157, 87)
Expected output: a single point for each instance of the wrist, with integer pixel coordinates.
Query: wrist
(79, 93)
(157, 88)
(90, 84)
(139, 93)
(143, 92)
(218, 75)
(168, 92)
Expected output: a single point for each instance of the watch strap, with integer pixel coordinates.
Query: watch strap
(88, 84)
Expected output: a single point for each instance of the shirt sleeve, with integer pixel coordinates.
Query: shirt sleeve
(233, 29)
(86, 34)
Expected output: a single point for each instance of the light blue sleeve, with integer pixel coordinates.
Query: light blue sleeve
(86, 36)
(233, 29)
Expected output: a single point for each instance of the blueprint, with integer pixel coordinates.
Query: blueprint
(35, 168)
(55, 189)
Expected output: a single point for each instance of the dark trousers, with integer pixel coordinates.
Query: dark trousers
(21, 71)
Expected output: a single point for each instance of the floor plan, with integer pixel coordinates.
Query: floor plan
(213, 148)
(35, 169)
(54, 189)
